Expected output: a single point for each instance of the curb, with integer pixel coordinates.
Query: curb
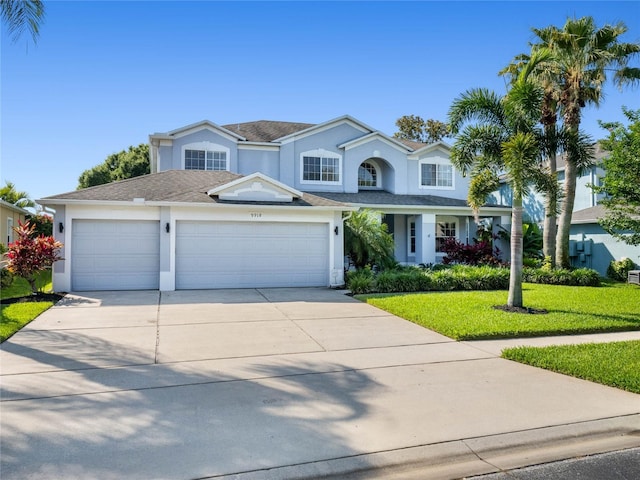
(468, 457)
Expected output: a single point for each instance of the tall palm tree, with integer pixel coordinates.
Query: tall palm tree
(496, 135)
(537, 67)
(9, 194)
(21, 15)
(581, 56)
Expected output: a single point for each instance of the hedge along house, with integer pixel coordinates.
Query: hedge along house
(259, 204)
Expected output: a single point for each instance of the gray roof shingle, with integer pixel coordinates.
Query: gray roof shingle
(266, 130)
(380, 197)
(181, 186)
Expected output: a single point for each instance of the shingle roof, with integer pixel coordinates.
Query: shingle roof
(266, 130)
(379, 197)
(588, 215)
(181, 186)
(411, 144)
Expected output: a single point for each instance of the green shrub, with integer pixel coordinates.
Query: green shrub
(619, 269)
(580, 277)
(6, 278)
(360, 281)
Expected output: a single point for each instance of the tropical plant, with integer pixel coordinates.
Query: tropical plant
(499, 135)
(619, 269)
(30, 254)
(621, 182)
(21, 15)
(11, 195)
(367, 241)
(578, 59)
(42, 224)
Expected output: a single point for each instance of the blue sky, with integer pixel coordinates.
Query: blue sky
(104, 75)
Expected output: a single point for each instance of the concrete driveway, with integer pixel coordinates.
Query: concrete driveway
(279, 383)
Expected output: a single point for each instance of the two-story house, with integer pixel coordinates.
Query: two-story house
(259, 204)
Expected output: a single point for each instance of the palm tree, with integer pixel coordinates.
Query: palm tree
(581, 56)
(537, 67)
(499, 135)
(21, 15)
(9, 194)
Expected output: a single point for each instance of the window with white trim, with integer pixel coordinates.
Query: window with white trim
(436, 175)
(205, 160)
(367, 175)
(411, 235)
(320, 166)
(445, 230)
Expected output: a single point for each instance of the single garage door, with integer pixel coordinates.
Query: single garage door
(248, 255)
(115, 255)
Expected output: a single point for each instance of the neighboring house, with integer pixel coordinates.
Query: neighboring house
(590, 246)
(10, 215)
(259, 204)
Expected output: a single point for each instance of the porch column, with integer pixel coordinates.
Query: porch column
(426, 238)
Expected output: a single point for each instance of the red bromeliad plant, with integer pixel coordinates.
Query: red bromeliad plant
(31, 253)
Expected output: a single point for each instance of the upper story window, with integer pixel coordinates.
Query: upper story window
(367, 175)
(205, 156)
(436, 175)
(320, 166)
(204, 160)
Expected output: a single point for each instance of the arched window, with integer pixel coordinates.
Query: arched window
(367, 175)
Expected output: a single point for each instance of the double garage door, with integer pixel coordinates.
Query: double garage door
(245, 255)
(125, 255)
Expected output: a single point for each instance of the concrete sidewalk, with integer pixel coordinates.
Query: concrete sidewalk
(280, 383)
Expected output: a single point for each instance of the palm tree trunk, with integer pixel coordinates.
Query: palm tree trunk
(550, 227)
(564, 225)
(515, 277)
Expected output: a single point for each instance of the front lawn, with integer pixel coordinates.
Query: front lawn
(615, 364)
(14, 316)
(20, 287)
(612, 307)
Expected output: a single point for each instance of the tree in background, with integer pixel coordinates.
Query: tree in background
(621, 183)
(21, 15)
(130, 163)
(11, 195)
(42, 224)
(30, 254)
(416, 129)
(367, 241)
(581, 56)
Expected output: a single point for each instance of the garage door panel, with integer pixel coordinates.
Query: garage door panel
(236, 254)
(115, 255)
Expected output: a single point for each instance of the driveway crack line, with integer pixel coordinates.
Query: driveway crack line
(155, 356)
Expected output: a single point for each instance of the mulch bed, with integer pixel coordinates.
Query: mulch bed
(532, 311)
(38, 297)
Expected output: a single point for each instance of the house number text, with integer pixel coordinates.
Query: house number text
(255, 215)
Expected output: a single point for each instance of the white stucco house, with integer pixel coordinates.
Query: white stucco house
(259, 204)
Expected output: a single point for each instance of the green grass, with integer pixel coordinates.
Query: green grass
(615, 364)
(16, 315)
(612, 307)
(20, 287)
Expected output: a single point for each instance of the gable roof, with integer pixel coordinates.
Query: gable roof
(266, 130)
(588, 215)
(393, 142)
(170, 186)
